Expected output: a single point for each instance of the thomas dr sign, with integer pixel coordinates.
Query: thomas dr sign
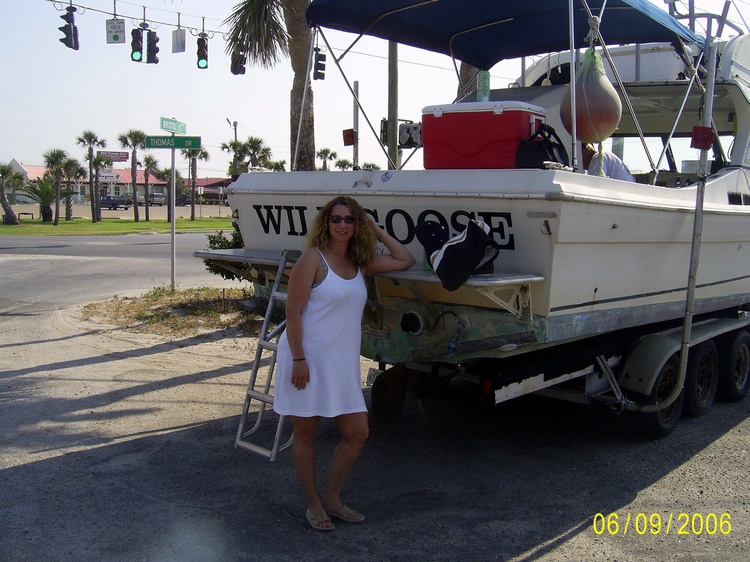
(173, 142)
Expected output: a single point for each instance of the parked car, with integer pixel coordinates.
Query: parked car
(156, 199)
(183, 199)
(113, 202)
(129, 199)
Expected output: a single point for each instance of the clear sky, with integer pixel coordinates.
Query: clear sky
(50, 94)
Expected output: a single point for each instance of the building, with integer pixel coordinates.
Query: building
(116, 183)
(209, 190)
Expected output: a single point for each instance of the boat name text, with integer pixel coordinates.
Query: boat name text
(396, 222)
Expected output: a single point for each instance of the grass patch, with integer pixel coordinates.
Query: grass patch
(180, 313)
(113, 226)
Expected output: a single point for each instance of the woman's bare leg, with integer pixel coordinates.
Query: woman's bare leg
(354, 432)
(303, 459)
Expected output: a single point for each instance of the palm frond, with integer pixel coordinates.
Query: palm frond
(256, 28)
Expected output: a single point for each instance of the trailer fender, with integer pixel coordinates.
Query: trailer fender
(650, 353)
(646, 359)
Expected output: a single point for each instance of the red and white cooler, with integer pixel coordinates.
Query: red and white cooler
(477, 134)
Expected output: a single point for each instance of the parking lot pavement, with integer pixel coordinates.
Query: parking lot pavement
(119, 446)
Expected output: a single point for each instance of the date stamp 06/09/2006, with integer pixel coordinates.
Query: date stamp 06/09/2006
(658, 524)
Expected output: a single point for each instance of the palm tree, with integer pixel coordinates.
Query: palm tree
(44, 192)
(90, 140)
(344, 164)
(165, 174)
(256, 28)
(257, 152)
(150, 165)
(72, 170)
(8, 178)
(97, 164)
(237, 148)
(276, 165)
(55, 160)
(326, 154)
(134, 140)
(194, 154)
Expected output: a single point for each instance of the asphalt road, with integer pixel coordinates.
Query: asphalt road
(119, 447)
(69, 270)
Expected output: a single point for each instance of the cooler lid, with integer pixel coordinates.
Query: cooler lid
(496, 107)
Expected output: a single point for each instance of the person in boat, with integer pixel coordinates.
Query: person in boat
(318, 370)
(612, 166)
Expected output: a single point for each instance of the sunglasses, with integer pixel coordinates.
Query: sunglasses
(335, 219)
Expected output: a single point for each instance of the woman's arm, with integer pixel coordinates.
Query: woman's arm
(301, 280)
(398, 257)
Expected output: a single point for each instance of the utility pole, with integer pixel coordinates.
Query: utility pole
(355, 124)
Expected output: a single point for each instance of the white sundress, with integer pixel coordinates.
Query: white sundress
(331, 338)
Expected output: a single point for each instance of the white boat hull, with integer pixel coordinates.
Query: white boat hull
(612, 254)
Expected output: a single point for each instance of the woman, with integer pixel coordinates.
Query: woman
(318, 370)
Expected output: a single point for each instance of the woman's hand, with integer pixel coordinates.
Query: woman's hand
(398, 257)
(300, 374)
(376, 230)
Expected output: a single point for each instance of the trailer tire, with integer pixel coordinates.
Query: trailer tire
(701, 379)
(734, 373)
(655, 425)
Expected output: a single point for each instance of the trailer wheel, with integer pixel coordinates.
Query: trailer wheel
(734, 373)
(702, 379)
(655, 425)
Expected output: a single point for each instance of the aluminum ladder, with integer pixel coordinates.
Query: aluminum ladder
(259, 391)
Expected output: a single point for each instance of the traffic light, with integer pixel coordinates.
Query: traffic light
(384, 131)
(70, 31)
(319, 70)
(151, 43)
(202, 51)
(238, 62)
(136, 45)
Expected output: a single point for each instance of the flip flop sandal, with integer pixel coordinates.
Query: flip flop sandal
(318, 521)
(346, 514)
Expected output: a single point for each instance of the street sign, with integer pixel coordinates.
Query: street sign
(173, 142)
(114, 156)
(173, 126)
(178, 41)
(115, 31)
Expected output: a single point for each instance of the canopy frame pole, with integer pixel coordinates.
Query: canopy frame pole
(573, 127)
(354, 94)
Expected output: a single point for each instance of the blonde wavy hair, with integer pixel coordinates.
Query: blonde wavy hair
(362, 246)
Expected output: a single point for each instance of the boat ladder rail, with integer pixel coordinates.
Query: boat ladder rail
(259, 388)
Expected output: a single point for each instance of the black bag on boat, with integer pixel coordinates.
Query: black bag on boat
(469, 252)
(543, 146)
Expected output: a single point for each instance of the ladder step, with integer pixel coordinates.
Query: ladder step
(260, 396)
(268, 344)
(278, 295)
(253, 448)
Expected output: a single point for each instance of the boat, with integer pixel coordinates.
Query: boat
(587, 265)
